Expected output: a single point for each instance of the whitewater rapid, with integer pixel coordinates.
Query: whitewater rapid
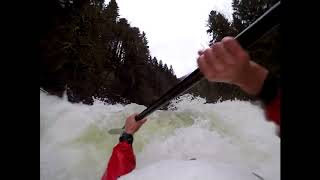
(193, 140)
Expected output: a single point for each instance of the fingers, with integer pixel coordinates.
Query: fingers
(132, 119)
(132, 116)
(140, 123)
(200, 52)
(143, 121)
(131, 125)
(235, 50)
(224, 61)
(209, 57)
(204, 67)
(213, 60)
(223, 56)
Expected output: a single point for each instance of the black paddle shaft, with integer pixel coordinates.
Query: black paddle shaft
(267, 21)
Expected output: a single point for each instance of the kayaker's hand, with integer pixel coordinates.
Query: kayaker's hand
(228, 62)
(132, 125)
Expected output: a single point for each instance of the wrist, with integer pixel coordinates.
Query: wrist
(126, 137)
(128, 131)
(253, 79)
(270, 89)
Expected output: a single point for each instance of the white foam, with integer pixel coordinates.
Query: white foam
(229, 140)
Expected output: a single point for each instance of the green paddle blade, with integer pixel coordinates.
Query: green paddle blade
(115, 131)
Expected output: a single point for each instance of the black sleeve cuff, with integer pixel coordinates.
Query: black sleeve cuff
(269, 89)
(126, 137)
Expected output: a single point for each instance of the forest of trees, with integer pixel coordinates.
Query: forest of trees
(265, 51)
(87, 51)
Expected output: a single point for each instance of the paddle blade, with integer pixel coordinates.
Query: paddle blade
(115, 131)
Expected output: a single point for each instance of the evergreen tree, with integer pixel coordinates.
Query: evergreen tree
(218, 26)
(160, 65)
(165, 67)
(112, 11)
(171, 70)
(154, 62)
(247, 11)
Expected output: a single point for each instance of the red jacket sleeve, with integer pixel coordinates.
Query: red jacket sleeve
(272, 110)
(122, 161)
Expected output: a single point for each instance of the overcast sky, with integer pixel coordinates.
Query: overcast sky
(176, 29)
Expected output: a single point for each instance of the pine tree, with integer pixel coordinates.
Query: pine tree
(165, 68)
(171, 70)
(112, 11)
(218, 26)
(155, 62)
(247, 11)
(160, 65)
